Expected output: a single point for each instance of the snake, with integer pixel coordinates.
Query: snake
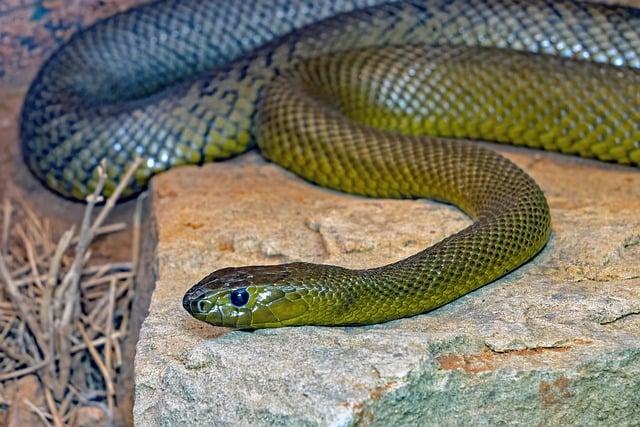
(372, 98)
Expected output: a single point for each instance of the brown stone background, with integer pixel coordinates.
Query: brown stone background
(30, 30)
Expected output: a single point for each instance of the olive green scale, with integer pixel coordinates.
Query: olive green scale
(321, 142)
(361, 96)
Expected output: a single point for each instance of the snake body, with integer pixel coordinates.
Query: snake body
(355, 95)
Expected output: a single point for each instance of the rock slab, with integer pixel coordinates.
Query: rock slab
(556, 342)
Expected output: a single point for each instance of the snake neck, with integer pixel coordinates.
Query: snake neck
(326, 147)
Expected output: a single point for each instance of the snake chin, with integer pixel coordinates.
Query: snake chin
(246, 298)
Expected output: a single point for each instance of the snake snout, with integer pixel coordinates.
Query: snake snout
(186, 302)
(192, 300)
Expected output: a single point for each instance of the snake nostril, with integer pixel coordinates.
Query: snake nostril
(202, 306)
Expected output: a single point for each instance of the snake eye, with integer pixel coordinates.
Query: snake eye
(239, 297)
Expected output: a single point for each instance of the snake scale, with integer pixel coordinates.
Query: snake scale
(362, 96)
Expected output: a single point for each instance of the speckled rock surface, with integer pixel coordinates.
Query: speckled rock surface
(556, 342)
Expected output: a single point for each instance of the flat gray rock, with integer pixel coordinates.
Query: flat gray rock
(556, 342)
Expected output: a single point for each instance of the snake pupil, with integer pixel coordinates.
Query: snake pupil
(239, 297)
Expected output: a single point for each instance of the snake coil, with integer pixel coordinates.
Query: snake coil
(361, 96)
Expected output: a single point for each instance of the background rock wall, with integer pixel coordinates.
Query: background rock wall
(31, 30)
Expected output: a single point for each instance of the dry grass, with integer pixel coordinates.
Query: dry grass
(62, 316)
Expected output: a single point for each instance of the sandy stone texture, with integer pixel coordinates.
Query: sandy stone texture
(555, 342)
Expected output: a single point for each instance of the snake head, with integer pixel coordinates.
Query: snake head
(247, 297)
